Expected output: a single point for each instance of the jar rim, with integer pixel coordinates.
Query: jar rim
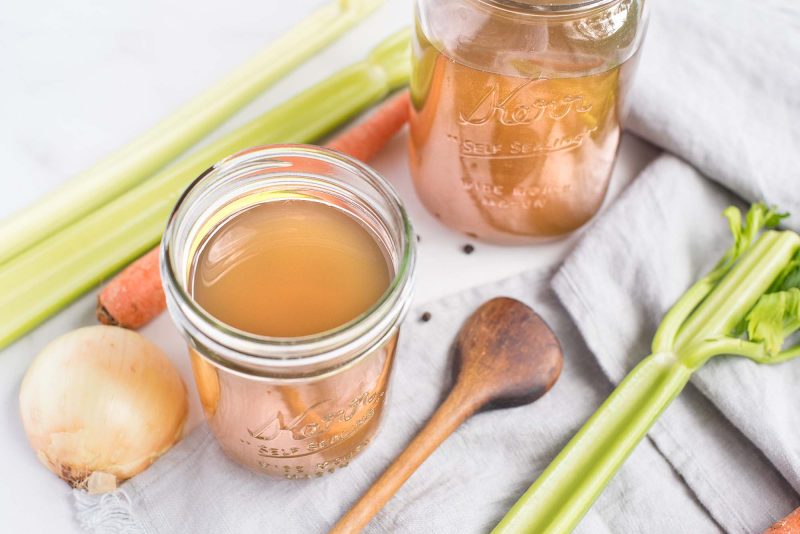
(291, 350)
(544, 8)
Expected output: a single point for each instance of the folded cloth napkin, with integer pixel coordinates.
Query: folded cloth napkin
(718, 87)
(719, 459)
(466, 486)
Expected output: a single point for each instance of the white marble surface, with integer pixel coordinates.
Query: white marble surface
(80, 78)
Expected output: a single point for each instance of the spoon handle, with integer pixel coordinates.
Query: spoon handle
(451, 413)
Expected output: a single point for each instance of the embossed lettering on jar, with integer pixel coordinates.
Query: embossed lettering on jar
(289, 270)
(517, 110)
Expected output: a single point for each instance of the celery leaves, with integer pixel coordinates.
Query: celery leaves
(774, 317)
(759, 217)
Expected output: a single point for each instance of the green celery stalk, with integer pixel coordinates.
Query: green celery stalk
(50, 275)
(702, 324)
(133, 163)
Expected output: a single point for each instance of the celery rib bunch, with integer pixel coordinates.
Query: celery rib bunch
(49, 275)
(153, 150)
(748, 305)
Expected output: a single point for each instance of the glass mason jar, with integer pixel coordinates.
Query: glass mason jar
(292, 407)
(516, 109)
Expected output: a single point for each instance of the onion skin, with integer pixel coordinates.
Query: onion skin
(101, 399)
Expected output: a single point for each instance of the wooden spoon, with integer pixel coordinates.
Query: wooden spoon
(505, 355)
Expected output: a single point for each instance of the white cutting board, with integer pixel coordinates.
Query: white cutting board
(81, 78)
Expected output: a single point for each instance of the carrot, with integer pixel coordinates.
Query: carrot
(788, 525)
(364, 140)
(135, 297)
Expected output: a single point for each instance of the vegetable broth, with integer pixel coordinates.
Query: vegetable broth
(289, 268)
(509, 157)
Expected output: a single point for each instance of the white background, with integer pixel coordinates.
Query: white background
(80, 78)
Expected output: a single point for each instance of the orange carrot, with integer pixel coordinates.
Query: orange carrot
(135, 297)
(364, 140)
(788, 525)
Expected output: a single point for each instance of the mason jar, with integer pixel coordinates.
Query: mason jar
(293, 407)
(516, 111)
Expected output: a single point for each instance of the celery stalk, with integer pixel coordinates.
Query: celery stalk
(702, 324)
(51, 274)
(131, 164)
(569, 486)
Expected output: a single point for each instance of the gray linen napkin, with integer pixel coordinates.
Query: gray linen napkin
(718, 87)
(700, 473)
(465, 487)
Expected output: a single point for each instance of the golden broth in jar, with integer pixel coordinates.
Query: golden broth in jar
(289, 269)
(516, 115)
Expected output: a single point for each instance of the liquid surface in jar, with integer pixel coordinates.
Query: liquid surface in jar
(508, 158)
(289, 268)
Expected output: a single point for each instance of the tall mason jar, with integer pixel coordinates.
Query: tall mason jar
(516, 110)
(296, 407)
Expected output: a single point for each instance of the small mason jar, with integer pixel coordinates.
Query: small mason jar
(516, 111)
(293, 407)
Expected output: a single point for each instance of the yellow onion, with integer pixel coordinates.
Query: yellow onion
(100, 404)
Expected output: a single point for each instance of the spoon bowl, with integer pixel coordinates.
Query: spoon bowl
(507, 354)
